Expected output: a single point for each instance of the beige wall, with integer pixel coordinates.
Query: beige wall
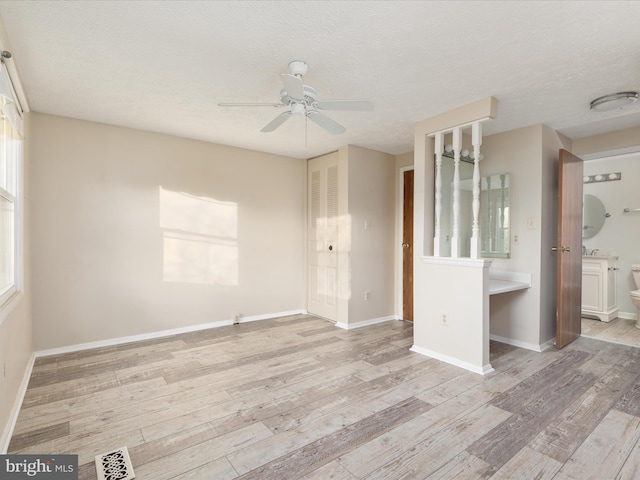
(607, 143)
(516, 315)
(136, 232)
(372, 200)
(530, 156)
(16, 327)
(552, 142)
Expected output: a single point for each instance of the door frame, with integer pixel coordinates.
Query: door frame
(400, 223)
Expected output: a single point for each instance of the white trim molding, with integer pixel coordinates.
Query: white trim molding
(365, 323)
(484, 370)
(17, 405)
(162, 333)
(526, 345)
(627, 316)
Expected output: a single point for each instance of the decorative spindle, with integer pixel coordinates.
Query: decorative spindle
(476, 136)
(502, 207)
(455, 236)
(438, 195)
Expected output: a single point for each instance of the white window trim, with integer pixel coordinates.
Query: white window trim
(11, 298)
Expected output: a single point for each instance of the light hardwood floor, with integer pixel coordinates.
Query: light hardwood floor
(618, 330)
(296, 397)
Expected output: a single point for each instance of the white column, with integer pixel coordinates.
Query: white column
(438, 195)
(455, 235)
(476, 138)
(502, 205)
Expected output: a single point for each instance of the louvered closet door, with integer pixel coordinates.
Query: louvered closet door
(322, 263)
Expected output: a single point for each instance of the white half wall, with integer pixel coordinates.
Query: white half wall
(136, 232)
(454, 322)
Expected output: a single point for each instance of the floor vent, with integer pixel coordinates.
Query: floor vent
(115, 465)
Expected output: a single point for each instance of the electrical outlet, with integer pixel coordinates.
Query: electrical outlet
(443, 319)
(367, 295)
(516, 239)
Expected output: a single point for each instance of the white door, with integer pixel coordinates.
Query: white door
(322, 262)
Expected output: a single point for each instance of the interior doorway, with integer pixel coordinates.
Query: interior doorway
(407, 244)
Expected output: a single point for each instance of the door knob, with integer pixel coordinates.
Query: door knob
(562, 249)
(405, 245)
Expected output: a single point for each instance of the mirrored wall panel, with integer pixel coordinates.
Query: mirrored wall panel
(495, 216)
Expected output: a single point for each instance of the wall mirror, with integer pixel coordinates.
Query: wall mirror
(495, 216)
(466, 214)
(593, 216)
(494, 211)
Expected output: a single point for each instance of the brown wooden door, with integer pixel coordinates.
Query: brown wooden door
(407, 247)
(569, 249)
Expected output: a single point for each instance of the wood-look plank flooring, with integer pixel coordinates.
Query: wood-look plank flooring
(296, 397)
(618, 330)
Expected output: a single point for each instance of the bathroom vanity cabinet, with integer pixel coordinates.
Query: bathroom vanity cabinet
(599, 287)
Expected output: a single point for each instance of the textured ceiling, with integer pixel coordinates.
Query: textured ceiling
(164, 66)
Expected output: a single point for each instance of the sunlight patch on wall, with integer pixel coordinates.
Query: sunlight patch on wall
(200, 239)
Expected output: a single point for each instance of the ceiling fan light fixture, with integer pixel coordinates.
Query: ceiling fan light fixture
(298, 108)
(301, 99)
(614, 101)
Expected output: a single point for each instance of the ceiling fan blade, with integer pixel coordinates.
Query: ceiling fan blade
(354, 105)
(251, 105)
(293, 85)
(276, 122)
(325, 122)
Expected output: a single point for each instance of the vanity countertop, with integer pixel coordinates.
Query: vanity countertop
(599, 257)
(501, 281)
(503, 286)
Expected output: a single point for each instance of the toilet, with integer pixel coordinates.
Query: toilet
(635, 294)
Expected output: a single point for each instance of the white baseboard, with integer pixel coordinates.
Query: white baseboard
(365, 323)
(628, 315)
(517, 343)
(484, 370)
(17, 404)
(162, 333)
(547, 345)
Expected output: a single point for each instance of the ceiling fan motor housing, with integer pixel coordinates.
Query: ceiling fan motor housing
(298, 67)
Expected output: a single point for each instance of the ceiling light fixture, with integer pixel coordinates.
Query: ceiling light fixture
(614, 101)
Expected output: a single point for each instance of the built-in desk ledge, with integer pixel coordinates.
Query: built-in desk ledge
(503, 281)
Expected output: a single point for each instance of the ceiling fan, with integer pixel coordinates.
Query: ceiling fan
(301, 99)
